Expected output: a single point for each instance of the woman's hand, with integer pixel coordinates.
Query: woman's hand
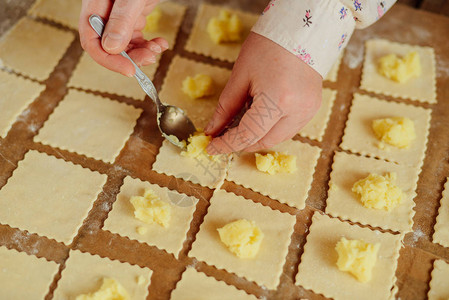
(124, 21)
(286, 95)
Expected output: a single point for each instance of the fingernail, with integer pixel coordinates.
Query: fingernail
(156, 48)
(149, 60)
(112, 41)
(209, 127)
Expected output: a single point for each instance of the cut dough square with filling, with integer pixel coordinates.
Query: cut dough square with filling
(439, 287)
(342, 202)
(121, 219)
(441, 235)
(49, 196)
(288, 188)
(24, 276)
(333, 72)
(195, 283)
(84, 274)
(199, 110)
(421, 88)
(359, 136)
(16, 93)
(169, 23)
(66, 12)
(33, 48)
(318, 269)
(200, 42)
(317, 126)
(266, 267)
(89, 75)
(90, 125)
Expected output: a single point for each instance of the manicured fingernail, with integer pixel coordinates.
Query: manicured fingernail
(112, 41)
(149, 60)
(156, 48)
(209, 127)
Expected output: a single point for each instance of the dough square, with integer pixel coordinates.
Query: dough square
(202, 170)
(89, 75)
(84, 274)
(345, 204)
(266, 268)
(34, 49)
(90, 125)
(318, 269)
(199, 110)
(66, 12)
(333, 72)
(291, 189)
(421, 88)
(169, 24)
(16, 93)
(441, 235)
(195, 283)
(359, 136)
(24, 276)
(199, 41)
(121, 219)
(49, 196)
(317, 126)
(439, 289)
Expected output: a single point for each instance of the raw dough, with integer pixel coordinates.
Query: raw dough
(66, 12)
(67, 190)
(289, 188)
(91, 125)
(359, 136)
(318, 270)
(343, 203)
(201, 110)
(33, 48)
(421, 88)
(169, 24)
(23, 276)
(203, 171)
(193, 284)
(333, 72)
(316, 128)
(89, 75)
(266, 268)
(439, 287)
(16, 94)
(121, 218)
(200, 42)
(84, 273)
(441, 235)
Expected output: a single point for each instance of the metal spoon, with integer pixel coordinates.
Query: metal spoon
(173, 123)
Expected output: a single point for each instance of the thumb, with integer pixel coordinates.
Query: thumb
(120, 25)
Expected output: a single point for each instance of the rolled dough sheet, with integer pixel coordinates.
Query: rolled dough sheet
(266, 268)
(199, 110)
(345, 204)
(291, 189)
(203, 171)
(90, 125)
(84, 274)
(65, 12)
(89, 75)
(333, 72)
(317, 126)
(359, 136)
(169, 24)
(24, 276)
(16, 94)
(439, 287)
(199, 41)
(49, 196)
(121, 219)
(441, 235)
(421, 88)
(33, 48)
(318, 268)
(193, 284)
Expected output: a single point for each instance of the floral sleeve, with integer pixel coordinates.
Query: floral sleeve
(317, 30)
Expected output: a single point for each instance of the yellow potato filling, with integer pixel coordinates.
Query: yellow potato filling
(276, 162)
(199, 86)
(109, 290)
(396, 131)
(151, 209)
(152, 20)
(242, 237)
(226, 27)
(400, 69)
(379, 192)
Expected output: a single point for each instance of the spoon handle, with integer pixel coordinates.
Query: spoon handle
(147, 85)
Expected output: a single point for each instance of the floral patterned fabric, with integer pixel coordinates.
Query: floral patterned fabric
(316, 31)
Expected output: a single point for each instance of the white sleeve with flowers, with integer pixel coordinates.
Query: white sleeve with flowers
(317, 30)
